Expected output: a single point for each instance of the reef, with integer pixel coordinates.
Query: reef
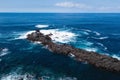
(98, 60)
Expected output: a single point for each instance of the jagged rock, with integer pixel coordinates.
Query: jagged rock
(96, 59)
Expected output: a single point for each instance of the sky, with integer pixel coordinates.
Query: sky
(61, 6)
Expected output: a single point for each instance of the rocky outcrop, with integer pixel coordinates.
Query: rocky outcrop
(98, 60)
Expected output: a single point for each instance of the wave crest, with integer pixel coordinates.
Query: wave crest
(24, 35)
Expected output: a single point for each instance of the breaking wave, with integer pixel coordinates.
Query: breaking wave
(57, 35)
(60, 36)
(116, 56)
(41, 26)
(24, 35)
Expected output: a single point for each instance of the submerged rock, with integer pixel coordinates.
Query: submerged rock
(96, 59)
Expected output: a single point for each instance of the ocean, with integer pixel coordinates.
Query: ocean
(21, 59)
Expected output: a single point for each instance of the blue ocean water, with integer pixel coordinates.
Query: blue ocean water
(97, 32)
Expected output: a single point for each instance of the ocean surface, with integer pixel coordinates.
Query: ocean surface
(20, 58)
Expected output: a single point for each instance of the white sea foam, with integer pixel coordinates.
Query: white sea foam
(37, 42)
(57, 78)
(85, 42)
(23, 35)
(86, 33)
(97, 33)
(102, 46)
(15, 76)
(41, 26)
(71, 55)
(4, 52)
(116, 56)
(91, 49)
(89, 43)
(57, 35)
(27, 76)
(60, 36)
(101, 38)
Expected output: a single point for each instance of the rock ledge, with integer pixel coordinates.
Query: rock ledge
(93, 58)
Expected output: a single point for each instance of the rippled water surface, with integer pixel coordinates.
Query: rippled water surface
(20, 58)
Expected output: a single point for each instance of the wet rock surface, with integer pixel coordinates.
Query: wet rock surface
(93, 58)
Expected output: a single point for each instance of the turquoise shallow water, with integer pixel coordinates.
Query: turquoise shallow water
(92, 32)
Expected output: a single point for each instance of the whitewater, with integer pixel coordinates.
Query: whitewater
(20, 58)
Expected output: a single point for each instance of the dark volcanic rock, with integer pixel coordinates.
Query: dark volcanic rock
(98, 60)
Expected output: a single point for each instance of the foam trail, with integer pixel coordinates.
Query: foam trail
(102, 46)
(101, 38)
(89, 43)
(86, 43)
(4, 52)
(97, 33)
(86, 33)
(41, 26)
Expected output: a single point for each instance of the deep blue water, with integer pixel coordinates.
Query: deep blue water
(96, 32)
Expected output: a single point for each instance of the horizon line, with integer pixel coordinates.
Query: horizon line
(62, 12)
